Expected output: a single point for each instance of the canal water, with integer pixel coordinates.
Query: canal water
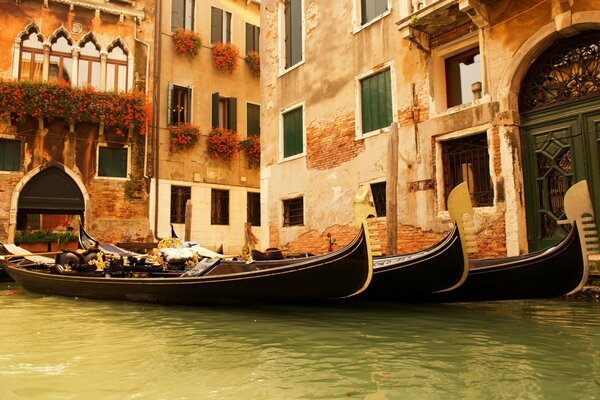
(67, 348)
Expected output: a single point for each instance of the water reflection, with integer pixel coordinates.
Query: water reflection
(57, 348)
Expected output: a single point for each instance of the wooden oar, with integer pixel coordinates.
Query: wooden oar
(48, 253)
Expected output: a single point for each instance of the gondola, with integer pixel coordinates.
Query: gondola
(343, 273)
(560, 270)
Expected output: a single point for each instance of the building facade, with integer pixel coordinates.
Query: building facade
(501, 94)
(74, 78)
(207, 123)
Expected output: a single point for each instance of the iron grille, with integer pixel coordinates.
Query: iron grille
(179, 197)
(254, 208)
(219, 207)
(293, 212)
(379, 198)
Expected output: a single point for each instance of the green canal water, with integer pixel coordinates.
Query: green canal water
(66, 348)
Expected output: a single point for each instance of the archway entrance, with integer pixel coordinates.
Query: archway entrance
(51, 199)
(560, 132)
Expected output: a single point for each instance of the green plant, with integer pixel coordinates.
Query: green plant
(187, 43)
(45, 236)
(253, 62)
(223, 143)
(183, 137)
(225, 56)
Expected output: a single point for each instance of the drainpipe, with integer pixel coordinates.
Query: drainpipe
(156, 107)
(145, 90)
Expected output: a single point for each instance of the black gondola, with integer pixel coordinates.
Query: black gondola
(343, 273)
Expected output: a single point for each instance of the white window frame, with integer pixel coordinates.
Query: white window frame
(359, 134)
(282, 69)
(281, 143)
(357, 16)
(114, 178)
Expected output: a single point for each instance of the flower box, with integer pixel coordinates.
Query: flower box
(187, 43)
(225, 56)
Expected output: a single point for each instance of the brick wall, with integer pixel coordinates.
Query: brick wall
(330, 142)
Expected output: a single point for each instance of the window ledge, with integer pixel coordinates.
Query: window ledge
(456, 109)
(284, 71)
(358, 28)
(372, 133)
(112, 178)
(292, 158)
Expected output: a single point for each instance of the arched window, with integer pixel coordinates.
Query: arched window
(89, 64)
(116, 68)
(61, 61)
(32, 55)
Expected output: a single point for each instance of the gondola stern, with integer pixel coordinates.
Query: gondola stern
(369, 259)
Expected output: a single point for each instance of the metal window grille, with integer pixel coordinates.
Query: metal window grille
(254, 208)
(378, 190)
(179, 197)
(219, 207)
(293, 212)
(467, 160)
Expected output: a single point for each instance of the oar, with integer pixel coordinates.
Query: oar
(48, 253)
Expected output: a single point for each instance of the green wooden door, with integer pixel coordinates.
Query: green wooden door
(560, 146)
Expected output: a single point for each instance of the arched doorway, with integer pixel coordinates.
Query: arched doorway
(559, 103)
(50, 198)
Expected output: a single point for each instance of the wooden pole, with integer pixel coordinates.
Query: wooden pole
(391, 191)
(188, 221)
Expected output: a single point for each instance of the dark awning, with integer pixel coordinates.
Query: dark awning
(51, 189)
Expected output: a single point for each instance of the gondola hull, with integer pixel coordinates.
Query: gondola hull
(343, 273)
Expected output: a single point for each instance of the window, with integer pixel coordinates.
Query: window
(32, 56)
(116, 68)
(376, 101)
(467, 160)
(219, 207)
(180, 100)
(254, 208)
(293, 132)
(370, 9)
(112, 161)
(379, 198)
(224, 112)
(220, 25)
(61, 60)
(182, 14)
(293, 212)
(179, 197)
(252, 38)
(463, 77)
(253, 119)
(89, 64)
(10, 155)
(293, 32)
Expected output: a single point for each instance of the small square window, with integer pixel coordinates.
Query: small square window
(293, 32)
(463, 77)
(467, 160)
(10, 155)
(182, 14)
(220, 26)
(219, 214)
(371, 9)
(254, 208)
(293, 212)
(112, 162)
(179, 197)
(378, 190)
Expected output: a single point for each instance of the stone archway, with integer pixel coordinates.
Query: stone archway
(48, 189)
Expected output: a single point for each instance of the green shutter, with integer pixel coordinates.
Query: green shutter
(10, 155)
(216, 25)
(177, 14)
(376, 102)
(232, 113)
(227, 37)
(249, 37)
(215, 109)
(170, 105)
(292, 133)
(253, 120)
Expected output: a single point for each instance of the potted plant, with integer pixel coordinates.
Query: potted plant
(46, 240)
(223, 143)
(187, 43)
(251, 147)
(253, 62)
(225, 56)
(183, 137)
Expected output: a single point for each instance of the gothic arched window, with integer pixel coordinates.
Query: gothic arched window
(32, 55)
(61, 60)
(116, 68)
(89, 64)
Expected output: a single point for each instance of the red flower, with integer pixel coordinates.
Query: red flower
(225, 56)
(251, 147)
(187, 43)
(183, 137)
(223, 143)
(253, 62)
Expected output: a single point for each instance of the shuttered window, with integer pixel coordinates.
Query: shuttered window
(254, 208)
(220, 25)
(179, 197)
(253, 122)
(219, 214)
(10, 155)
(252, 38)
(370, 9)
(376, 101)
(293, 32)
(293, 130)
(180, 100)
(182, 14)
(112, 162)
(293, 212)
(224, 112)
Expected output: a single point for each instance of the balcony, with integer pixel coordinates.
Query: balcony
(424, 20)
